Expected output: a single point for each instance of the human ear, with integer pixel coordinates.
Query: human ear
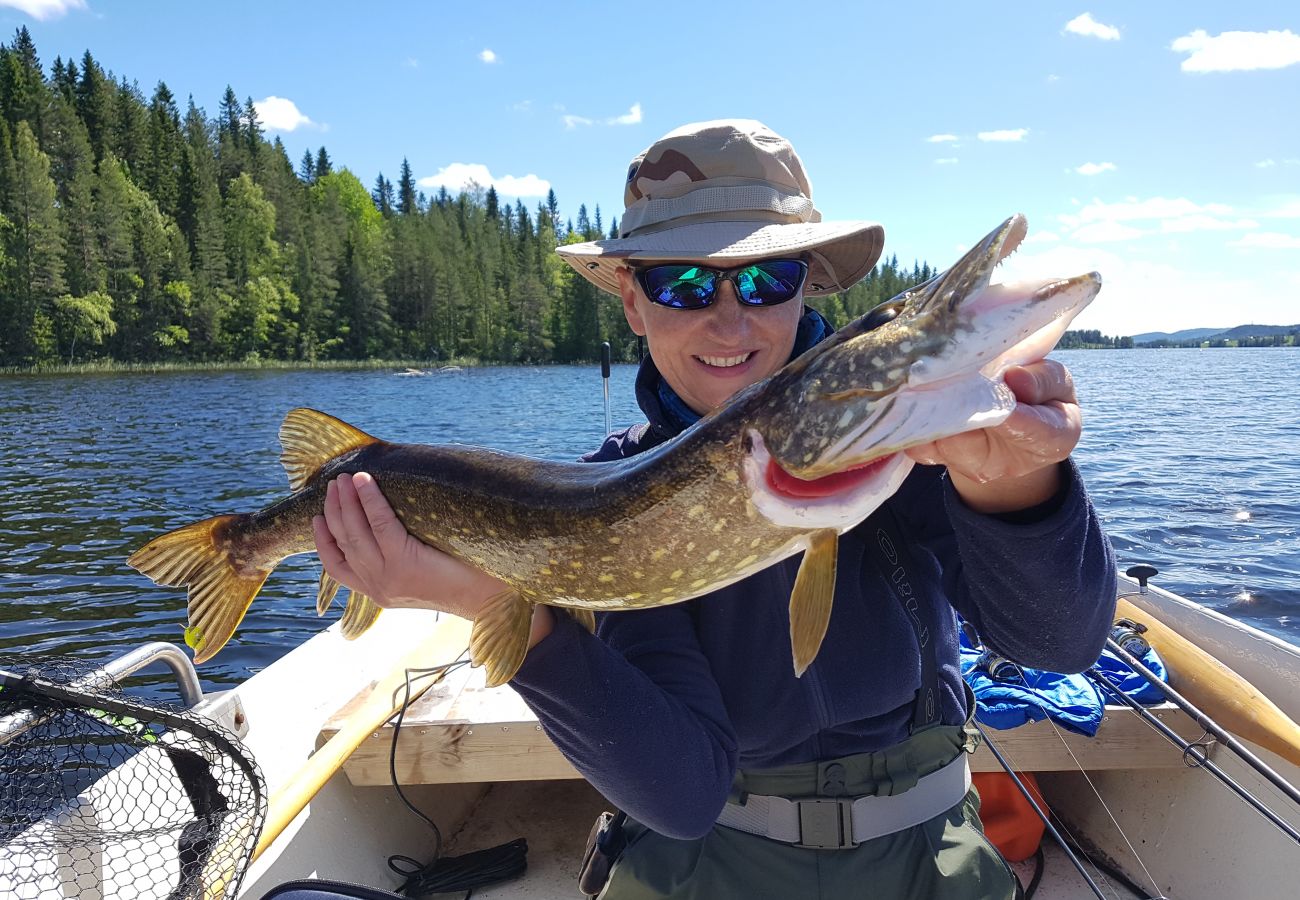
(627, 290)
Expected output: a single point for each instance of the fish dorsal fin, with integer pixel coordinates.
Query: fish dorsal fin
(310, 439)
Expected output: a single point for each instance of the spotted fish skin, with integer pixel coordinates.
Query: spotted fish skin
(785, 467)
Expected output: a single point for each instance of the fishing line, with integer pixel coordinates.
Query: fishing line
(1069, 843)
(1195, 760)
(443, 874)
(1074, 841)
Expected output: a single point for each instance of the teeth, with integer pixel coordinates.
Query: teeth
(724, 362)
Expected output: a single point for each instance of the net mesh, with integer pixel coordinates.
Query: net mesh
(104, 796)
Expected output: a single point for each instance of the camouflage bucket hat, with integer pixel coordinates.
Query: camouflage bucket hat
(730, 189)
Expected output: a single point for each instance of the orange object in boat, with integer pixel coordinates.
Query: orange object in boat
(1010, 823)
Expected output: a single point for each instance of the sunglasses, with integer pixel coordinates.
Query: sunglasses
(764, 283)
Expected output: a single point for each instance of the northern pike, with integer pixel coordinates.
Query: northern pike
(784, 468)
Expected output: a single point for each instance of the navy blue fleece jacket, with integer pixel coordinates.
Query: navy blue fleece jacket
(661, 706)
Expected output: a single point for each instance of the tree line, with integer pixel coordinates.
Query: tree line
(1092, 339)
(132, 231)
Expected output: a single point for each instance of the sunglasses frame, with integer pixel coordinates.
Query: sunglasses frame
(721, 275)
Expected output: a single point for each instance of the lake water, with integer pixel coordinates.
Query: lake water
(1192, 458)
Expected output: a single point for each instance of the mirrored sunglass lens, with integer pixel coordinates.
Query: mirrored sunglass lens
(679, 286)
(775, 281)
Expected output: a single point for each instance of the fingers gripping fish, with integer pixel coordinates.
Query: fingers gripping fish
(784, 468)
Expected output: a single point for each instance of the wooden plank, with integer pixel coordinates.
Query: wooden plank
(461, 731)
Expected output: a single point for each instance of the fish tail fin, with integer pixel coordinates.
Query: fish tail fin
(310, 439)
(358, 615)
(326, 592)
(199, 557)
(499, 640)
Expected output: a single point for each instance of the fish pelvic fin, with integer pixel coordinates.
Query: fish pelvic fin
(584, 617)
(499, 639)
(358, 615)
(811, 599)
(326, 592)
(199, 557)
(310, 439)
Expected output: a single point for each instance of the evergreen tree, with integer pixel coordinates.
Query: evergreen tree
(307, 168)
(36, 248)
(95, 100)
(406, 199)
(23, 93)
(162, 163)
(323, 165)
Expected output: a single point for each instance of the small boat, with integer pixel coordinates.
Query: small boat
(318, 723)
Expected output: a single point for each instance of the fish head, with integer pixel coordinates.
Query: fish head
(927, 365)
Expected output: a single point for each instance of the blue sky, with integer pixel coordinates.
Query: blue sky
(1156, 142)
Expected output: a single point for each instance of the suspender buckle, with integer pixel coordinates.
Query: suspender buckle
(826, 824)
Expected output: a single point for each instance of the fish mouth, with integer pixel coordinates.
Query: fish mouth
(838, 500)
(937, 368)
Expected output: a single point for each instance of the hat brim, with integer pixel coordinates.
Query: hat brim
(845, 251)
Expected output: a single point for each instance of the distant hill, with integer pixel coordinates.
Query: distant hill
(1207, 334)
(1187, 334)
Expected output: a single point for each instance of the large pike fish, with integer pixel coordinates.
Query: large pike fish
(784, 468)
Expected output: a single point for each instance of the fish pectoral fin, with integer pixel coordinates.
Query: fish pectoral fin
(584, 617)
(198, 557)
(358, 615)
(310, 439)
(499, 640)
(326, 592)
(811, 599)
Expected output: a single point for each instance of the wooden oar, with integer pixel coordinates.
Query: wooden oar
(445, 642)
(1217, 690)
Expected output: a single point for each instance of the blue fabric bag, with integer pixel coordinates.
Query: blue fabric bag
(1021, 694)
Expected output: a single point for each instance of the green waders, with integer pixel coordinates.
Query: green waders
(945, 858)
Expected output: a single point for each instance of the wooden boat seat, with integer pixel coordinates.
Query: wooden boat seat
(461, 731)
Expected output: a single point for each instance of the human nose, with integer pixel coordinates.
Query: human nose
(726, 309)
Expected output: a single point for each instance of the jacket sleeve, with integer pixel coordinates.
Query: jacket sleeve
(636, 710)
(1042, 591)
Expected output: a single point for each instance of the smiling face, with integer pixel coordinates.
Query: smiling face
(709, 354)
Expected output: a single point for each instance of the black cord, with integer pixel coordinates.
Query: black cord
(1112, 873)
(1040, 863)
(443, 874)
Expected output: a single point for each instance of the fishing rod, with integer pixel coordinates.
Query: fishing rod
(1194, 752)
(604, 374)
(1204, 721)
(1038, 811)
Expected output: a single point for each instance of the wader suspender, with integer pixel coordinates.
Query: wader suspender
(897, 564)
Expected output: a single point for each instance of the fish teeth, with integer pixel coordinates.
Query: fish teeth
(724, 362)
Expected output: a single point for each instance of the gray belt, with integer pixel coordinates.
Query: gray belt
(834, 823)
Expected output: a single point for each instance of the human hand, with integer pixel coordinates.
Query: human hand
(1013, 465)
(364, 546)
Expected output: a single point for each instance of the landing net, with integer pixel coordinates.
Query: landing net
(110, 797)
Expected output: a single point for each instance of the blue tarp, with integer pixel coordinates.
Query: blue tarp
(1072, 701)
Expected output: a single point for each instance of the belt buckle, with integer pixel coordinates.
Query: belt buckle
(826, 824)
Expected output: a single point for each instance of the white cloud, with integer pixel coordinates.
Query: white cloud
(1041, 237)
(1086, 26)
(1014, 134)
(572, 121)
(1131, 209)
(460, 176)
(941, 139)
(411, 63)
(487, 56)
(1269, 240)
(280, 114)
(1090, 168)
(946, 161)
(1265, 164)
(1204, 223)
(1235, 51)
(631, 117)
(44, 10)
(1105, 232)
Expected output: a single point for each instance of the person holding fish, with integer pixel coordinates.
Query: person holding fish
(836, 768)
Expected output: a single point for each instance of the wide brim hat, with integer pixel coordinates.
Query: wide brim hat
(730, 189)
